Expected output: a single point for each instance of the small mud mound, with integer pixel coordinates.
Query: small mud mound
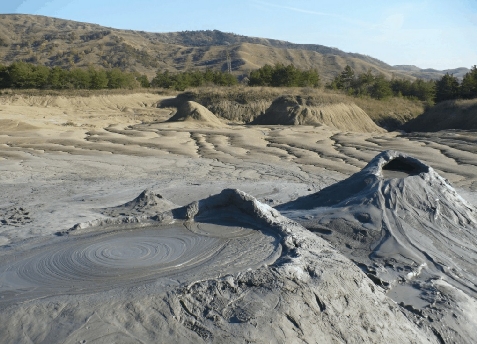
(147, 203)
(295, 110)
(407, 228)
(192, 112)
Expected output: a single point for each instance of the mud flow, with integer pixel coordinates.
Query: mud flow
(132, 256)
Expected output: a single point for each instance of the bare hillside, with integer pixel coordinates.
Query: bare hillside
(57, 42)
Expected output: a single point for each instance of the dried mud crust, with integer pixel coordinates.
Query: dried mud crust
(308, 293)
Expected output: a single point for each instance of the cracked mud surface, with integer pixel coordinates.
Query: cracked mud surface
(54, 176)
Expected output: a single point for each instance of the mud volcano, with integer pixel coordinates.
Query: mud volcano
(410, 232)
(132, 256)
(225, 269)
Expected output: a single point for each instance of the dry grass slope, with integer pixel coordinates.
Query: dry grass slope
(454, 114)
(390, 113)
(56, 42)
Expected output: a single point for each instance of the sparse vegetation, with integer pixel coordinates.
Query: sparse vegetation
(449, 114)
(378, 87)
(393, 112)
(84, 92)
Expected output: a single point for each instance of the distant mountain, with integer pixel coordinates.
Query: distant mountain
(430, 73)
(57, 42)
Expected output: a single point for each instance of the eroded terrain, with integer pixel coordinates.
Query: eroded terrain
(66, 161)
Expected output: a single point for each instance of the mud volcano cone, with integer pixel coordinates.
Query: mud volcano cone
(406, 227)
(147, 203)
(397, 209)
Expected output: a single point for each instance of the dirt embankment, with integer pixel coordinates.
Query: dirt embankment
(454, 114)
(296, 110)
(234, 105)
(98, 101)
(20, 111)
(246, 104)
(335, 112)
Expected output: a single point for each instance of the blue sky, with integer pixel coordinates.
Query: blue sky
(437, 34)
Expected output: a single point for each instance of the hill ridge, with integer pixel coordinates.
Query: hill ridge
(67, 43)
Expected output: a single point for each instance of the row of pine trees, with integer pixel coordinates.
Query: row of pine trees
(377, 86)
(22, 75)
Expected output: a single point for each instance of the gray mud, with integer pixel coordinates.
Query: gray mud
(166, 255)
(409, 230)
(381, 261)
(237, 283)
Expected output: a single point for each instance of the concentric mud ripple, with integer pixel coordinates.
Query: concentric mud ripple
(132, 257)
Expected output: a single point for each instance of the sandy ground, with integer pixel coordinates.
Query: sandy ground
(64, 161)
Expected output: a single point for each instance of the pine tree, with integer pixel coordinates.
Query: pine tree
(5, 80)
(346, 78)
(119, 79)
(423, 90)
(143, 80)
(468, 88)
(79, 78)
(21, 74)
(363, 84)
(164, 80)
(381, 88)
(261, 76)
(58, 78)
(447, 88)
